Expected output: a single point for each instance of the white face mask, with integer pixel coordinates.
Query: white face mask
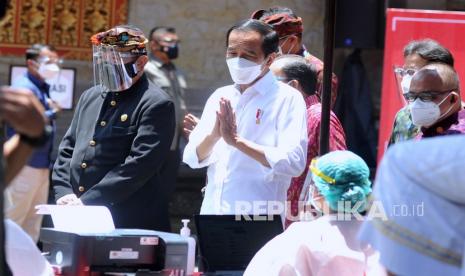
(48, 71)
(425, 114)
(243, 71)
(405, 83)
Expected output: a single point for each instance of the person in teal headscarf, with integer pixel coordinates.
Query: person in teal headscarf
(328, 245)
(339, 183)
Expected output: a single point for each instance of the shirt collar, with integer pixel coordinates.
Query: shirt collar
(441, 126)
(157, 62)
(42, 85)
(266, 83)
(311, 100)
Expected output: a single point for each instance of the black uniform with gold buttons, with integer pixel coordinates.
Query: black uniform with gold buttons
(112, 153)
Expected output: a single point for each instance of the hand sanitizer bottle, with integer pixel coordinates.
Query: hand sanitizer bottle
(186, 232)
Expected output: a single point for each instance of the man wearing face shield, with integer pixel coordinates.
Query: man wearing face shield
(30, 187)
(417, 54)
(435, 102)
(252, 135)
(122, 130)
(290, 28)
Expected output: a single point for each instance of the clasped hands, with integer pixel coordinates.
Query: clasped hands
(225, 125)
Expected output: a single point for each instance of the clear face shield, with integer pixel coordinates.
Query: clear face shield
(113, 70)
(403, 79)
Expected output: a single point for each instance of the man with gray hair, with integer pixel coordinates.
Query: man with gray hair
(302, 75)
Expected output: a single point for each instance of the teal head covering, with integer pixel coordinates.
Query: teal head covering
(342, 176)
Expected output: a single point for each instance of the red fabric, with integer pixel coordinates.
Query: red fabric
(336, 142)
(319, 67)
(283, 23)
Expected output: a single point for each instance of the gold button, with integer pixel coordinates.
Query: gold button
(113, 103)
(81, 189)
(124, 117)
(92, 143)
(103, 123)
(84, 165)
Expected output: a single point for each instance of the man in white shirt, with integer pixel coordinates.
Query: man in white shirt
(252, 135)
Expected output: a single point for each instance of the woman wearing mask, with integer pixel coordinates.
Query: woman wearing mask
(328, 245)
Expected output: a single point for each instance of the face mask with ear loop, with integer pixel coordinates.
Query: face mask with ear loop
(285, 41)
(427, 113)
(244, 71)
(171, 51)
(315, 198)
(48, 71)
(113, 70)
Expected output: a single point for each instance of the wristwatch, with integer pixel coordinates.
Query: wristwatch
(37, 142)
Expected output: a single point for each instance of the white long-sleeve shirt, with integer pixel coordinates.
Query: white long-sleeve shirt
(270, 114)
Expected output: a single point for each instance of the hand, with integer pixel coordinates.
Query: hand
(216, 134)
(69, 199)
(54, 105)
(189, 123)
(227, 122)
(21, 109)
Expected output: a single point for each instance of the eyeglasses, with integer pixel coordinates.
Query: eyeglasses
(47, 60)
(404, 72)
(425, 96)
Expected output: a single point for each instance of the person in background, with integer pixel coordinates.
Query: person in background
(160, 69)
(327, 245)
(417, 54)
(434, 101)
(30, 187)
(420, 186)
(189, 123)
(252, 135)
(290, 28)
(121, 131)
(302, 75)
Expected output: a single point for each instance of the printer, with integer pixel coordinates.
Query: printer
(120, 250)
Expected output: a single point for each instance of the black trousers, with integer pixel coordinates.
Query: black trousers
(168, 176)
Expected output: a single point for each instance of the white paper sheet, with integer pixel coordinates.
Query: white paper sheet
(79, 219)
